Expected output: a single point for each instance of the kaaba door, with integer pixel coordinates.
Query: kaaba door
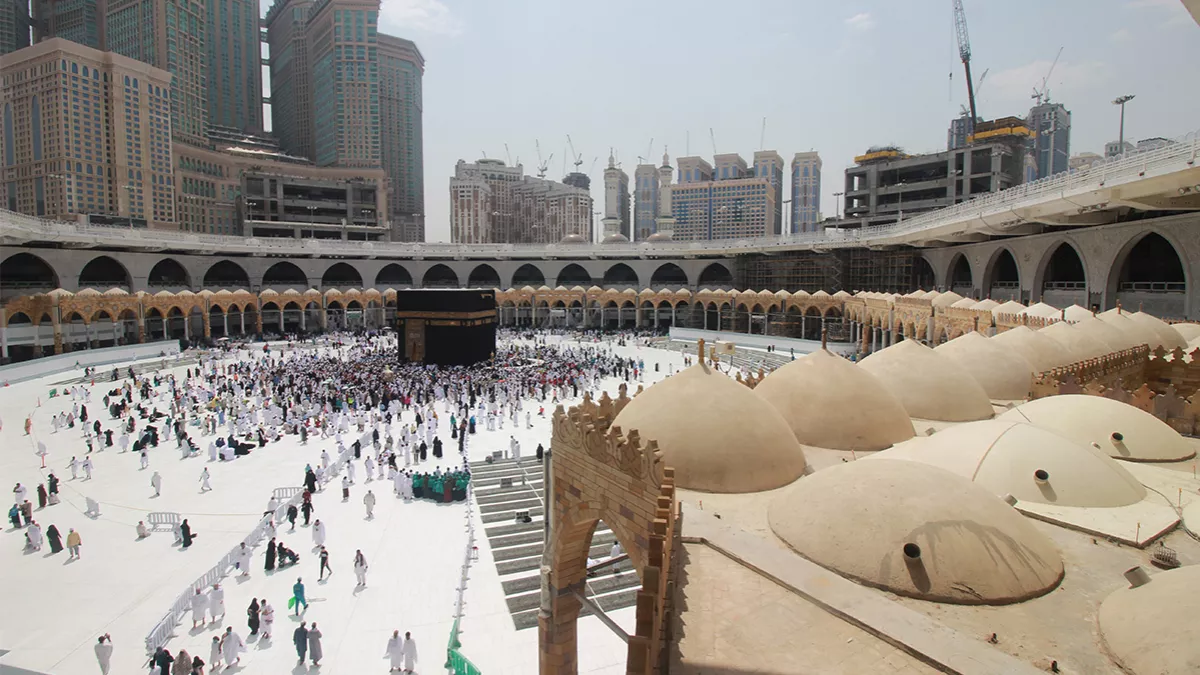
(414, 340)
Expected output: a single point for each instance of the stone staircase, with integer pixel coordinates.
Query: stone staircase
(517, 547)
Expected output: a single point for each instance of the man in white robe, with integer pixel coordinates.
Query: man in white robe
(199, 608)
(409, 651)
(395, 651)
(231, 647)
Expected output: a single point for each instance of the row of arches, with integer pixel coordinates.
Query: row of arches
(774, 319)
(28, 270)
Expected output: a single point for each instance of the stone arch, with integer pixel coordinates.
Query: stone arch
(620, 274)
(27, 271)
(1153, 269)
(923, 276)
(1061, 271)
(528, 275)
(440, 276)
(226, 274)
(168, 272)
(393, 275)
(573, 275)
(612, 477)
(1002, 272)
(715, 275)
(483, 276)
(960, 276)
(104, 272)
(668, 274)
(285, 273)
(342, 274)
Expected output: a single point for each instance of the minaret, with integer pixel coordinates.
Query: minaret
(664, 224)
(613, 201)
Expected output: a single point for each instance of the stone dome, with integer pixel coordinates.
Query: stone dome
(661, 236)
(1033, 464)
(1151, 629)
(916, 530)
(930, 386)
(573, 238)
(831, 403)
(1043, 353)
(965, 303)
(1079, 345)
(1137, 333)
(1169, 338)
(1076, 313)
(1111, 336)
(717, 434)
(1003, 373)
(1043, 311)
(1188, 331)
(1119, 429)
(987, 304)
(1010, 307)
(617, 238)
(944, 299)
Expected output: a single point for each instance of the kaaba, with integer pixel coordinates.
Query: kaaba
(448, 327)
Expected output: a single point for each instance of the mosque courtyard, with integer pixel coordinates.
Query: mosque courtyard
(124, 586)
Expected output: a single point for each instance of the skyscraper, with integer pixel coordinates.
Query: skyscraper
(168, 34)
(481, 206)
(342, 35)
(234, 92)
(768, 164)
(80, 21)
(14, 25)
(108, 154)
(401, 67)
(806, 191)
(1051, 143)
(645, 200)
(291, 99)
(723, 201)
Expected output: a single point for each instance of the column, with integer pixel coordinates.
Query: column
(206, 321)
(280, 320)
(3, 335)
(141, 321)
(56, 320)
(225, 323)
(303, 320)
(87, 329)
(242, 320)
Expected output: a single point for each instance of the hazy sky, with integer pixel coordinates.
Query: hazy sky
(835, 77)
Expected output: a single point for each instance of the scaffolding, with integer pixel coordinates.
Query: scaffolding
(896, 271)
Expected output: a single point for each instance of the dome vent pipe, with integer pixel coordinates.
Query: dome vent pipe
(1041, 476)
(1137, 576)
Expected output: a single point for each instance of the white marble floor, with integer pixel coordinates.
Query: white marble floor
(121, 586)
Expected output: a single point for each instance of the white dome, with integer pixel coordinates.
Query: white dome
(1119, 429)
(617, 238)
(1138, 333)
(1043, 310)
(1151, 629)
(1005, 456)
(1188, 331)
(915, 530)
(699, 417)
(1112, 337)
(1043, 353)
(965, 303)
(1003, 373)
(930, 386)
(1079, 345)
(944, 299)
(1169, 338)
(831, 403)
(1076, 313)
(1010, 307)
(987, 304)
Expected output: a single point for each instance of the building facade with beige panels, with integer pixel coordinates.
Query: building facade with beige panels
(86, 132)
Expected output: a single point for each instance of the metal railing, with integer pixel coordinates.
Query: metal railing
(1123, 169)
(164, 630)
(456, 663)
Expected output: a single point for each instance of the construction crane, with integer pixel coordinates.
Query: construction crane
(508, 154)
(542, 163)
(964, 53)
(762, 135)
(650, 149)
(593, 166)
(1043, 94)
(978, 88)
(712, 137)
(578, 158)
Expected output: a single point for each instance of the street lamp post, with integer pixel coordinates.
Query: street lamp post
(1121, 101)
(837, 205)
(311, 210)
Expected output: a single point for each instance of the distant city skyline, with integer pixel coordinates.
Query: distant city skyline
(877, 73)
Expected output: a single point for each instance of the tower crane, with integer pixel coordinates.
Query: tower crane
(964, 53)
(508, 154)
(542, 163)
(1043, 94)
(578, 158)
(713, 137)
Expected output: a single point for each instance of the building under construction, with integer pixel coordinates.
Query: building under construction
(898, 271)
(886, 184)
